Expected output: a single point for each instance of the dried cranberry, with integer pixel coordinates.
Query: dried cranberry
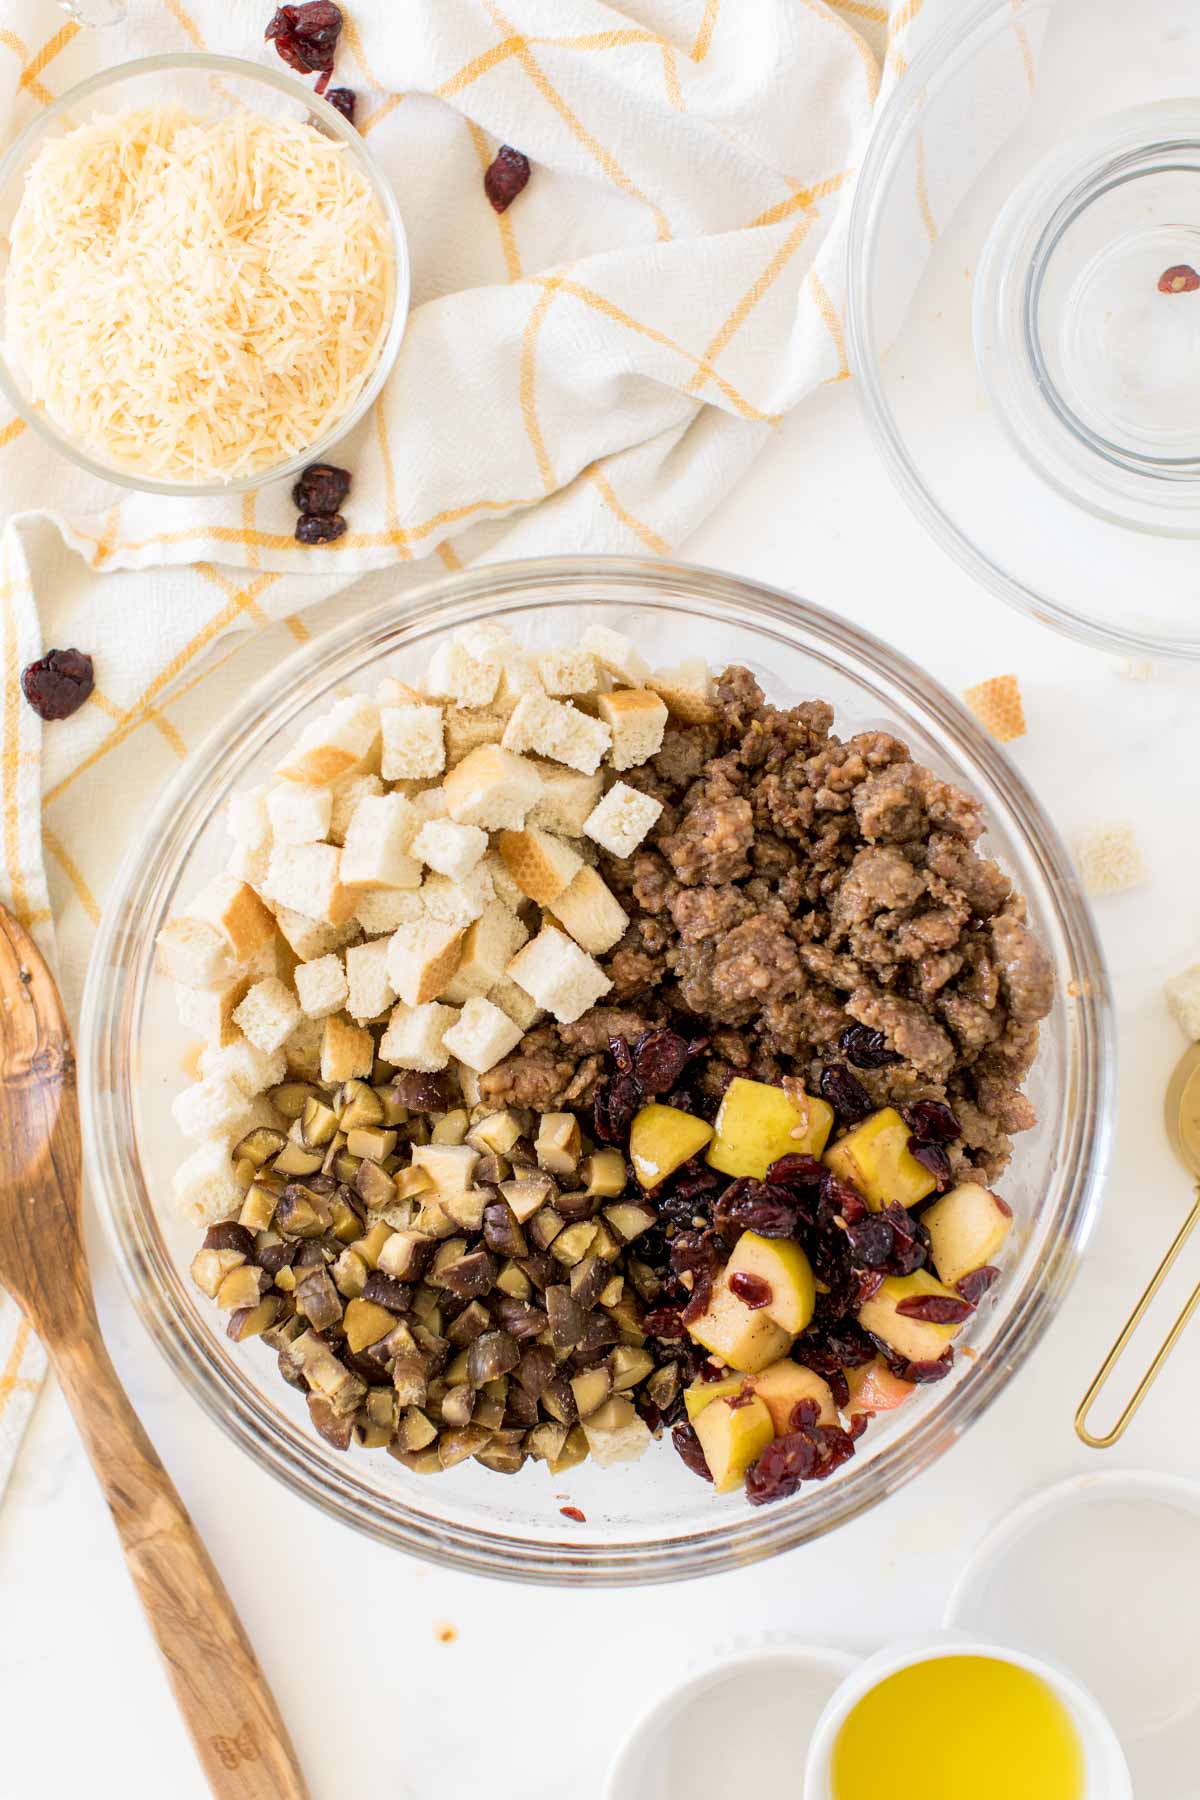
(782, 1467)
(858, 1421)
(659, 1059)
(306, 37)
(688, 1445)
(745, 1396)
(696, 1253)
(319, 528)
(750, 1205)
(751, 1290)
(505, 178)
(343, 100)
(701, 1295)
(935, 1309)
(974, 1286)
(841, 1201)
(796, 1171)
(804, 1413)
(321, 488)
(839, 1387)
(910, 1241)
(613, 1109)
(848, 1348)
(845, 1093)
(663, 1322)
(573, 1512)
(1180, 278)
(622, 1055)
(932, 1121)
(865, 1048)
(872, 1240)
(867, 1283)
(58, 683)
(931, 1157)
(921, 1372)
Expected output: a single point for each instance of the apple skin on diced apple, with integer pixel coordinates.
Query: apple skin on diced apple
(703, 1393)
(914, 1339)
(874, 1389)
(967, 1228)
(875, 1159)
(758, 1123)
(745, 1338)
(662, 1139)
(787, 1272)
(781, 1387)
(732, 1436)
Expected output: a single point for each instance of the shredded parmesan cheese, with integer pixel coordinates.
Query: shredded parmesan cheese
(197, 299)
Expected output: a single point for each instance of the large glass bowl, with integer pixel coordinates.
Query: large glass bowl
(652, 1520)
(208, 86)
(1032, 389)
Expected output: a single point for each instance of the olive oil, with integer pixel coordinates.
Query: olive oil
(959, 1728)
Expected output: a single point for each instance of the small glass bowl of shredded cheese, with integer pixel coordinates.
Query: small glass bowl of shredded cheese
(205, 275)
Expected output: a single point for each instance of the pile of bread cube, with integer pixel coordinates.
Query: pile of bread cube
(380, 902)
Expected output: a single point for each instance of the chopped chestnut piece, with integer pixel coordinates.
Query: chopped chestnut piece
(229, 1235)
(495, 1353)
(337, 1428)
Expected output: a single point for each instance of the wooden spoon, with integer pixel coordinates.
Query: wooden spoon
(225, 1701)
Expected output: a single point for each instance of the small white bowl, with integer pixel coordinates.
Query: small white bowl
(1107, 1772)
(652, 1764)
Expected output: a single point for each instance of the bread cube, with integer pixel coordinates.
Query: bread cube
(561, 977)
(518, 677)
(347, 1052)
(345, 798)
(637, 719)
(566, 800)
(455, 675)
(1110, 859)
(210, 1107)
(246, 817)
(615, 653)
(997, 705)
(486, 641)
(541, 865)
(343, 741)
(488, 947)
(380, 911)
(306, 878)
(371, 992)
(321, 986)
(422, 958)
(236, 911)
(299, 813)
(687, 690)
(1183, 998)
(591, 912)
(392, 692)
(268, 1015)
(560, 732)
(413, 746)
(250, 864)
(204, 1187)
(466, 728)
(311, 938)
(491, 788)
(482, 1035)
(195, 954)
(249, 1068)
(430, 803)
(451, 849)
(569, 672)
(457, 902)
(208, 1012)
(622, 819)
(516, 1003)
(377, 851)
(415, 1036)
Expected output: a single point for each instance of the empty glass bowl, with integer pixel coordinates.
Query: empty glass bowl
(651, 1520)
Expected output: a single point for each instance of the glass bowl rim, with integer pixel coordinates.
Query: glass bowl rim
(927, 71)
(22, 149)
(112, 993)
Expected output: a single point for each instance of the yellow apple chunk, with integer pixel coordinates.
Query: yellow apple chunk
(787, 1272)
(732, 1437)
(914, 1339)
(742, 1337)
(784, 1385)
(966, 1227)
(757, 1124)
(662, 1139)
(875, 1159)
(703, 1393)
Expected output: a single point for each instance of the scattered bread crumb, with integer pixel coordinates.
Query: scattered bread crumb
(996, 703)
(445, 1632)
(1183, 999)
(1110, 859)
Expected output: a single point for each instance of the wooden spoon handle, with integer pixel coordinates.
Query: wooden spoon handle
(221, 1690)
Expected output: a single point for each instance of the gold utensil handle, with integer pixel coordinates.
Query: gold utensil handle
(1118, 1350)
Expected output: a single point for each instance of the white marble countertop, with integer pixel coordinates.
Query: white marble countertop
(529, 1691)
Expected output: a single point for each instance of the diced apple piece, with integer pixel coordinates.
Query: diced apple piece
(914, 1339)
(743, 1338)
(875, 1158)
(732, 1436)
(703, 1393)
(966, 1228)
(758, 1123)
(784, 1385)
(874, 1389)
(787, 1272)
(662, 1139)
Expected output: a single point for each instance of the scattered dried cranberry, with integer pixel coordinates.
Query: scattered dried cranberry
(931, 1157)
(663, 1322)
(752, 1290)
(306, 37)
(974, 1286)
(573, 1512)
(867, 1283)
(845, 1093)
(616, 1102)
(931, 1121)
(1180, 278)
(695, 1252)
(745, 1396)
(321, 489)
(319, 528)
(872, 1240)
(841, 1201)
(688, 1445)
(749, 1205)
(796, 1171)
(659, 1058)
(865, 1048)
(803, 1414)
(935, 1309)
(921, 1372)
(343, 100)
(506, 177)
(858, 1422)
(58, 683)
(824, 1353)
(622, 1055)
(810, 1453)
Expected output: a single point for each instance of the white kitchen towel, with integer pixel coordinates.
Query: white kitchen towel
(591, 370)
